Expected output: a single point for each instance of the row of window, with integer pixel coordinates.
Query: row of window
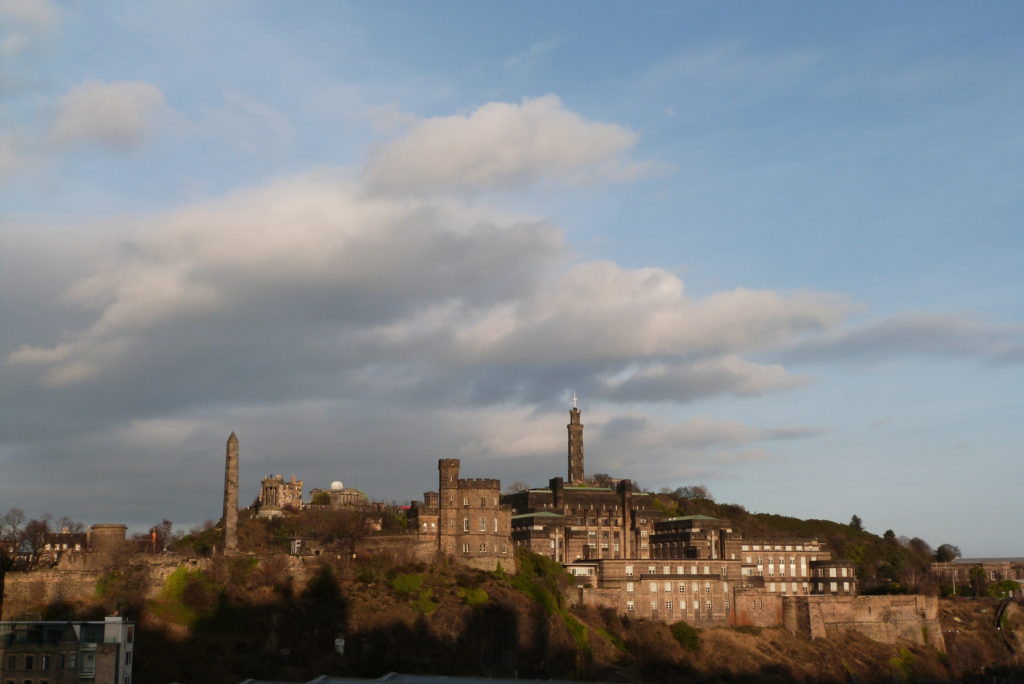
(782, 561)
(483, 548)
(28, 661)
(779, 547)
(465, 502)
(695, 607)
(680, 587)
(483, 524)
(680, 570)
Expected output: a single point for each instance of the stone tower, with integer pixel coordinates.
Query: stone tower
(231, 496)
(448, 504)
(575, 446)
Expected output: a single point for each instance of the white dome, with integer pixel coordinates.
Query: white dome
(337, 485)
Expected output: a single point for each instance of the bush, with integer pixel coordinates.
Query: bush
(687, 636)
(425, 604)
(407, 583)
(474, 596)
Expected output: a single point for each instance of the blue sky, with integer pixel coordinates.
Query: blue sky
(775, 248)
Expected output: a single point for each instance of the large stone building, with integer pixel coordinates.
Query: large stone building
(582, 520)
(627, 555)
(100, 652)
(465, 519)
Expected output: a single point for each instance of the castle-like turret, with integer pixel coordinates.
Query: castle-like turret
(575, 445)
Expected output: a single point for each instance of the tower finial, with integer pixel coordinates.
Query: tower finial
(574, 399)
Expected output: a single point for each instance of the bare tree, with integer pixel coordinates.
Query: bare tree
(516, 486)
(11, 524)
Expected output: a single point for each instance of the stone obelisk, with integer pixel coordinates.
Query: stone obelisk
(231, 496)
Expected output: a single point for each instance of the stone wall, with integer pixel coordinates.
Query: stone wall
(887, 619)
(74, 581)
(402, 547)
(756, 609)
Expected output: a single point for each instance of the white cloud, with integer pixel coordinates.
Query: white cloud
(118, 116)
(501, 144)
(730, 374)
(23, 22)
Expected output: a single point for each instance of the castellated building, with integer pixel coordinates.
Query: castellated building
(628, 555)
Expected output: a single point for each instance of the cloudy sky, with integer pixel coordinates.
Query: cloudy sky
(776, 249)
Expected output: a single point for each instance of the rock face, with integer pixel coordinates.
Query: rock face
(231, 496)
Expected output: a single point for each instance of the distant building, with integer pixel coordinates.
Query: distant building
(277, 495)
(338, 496)
(98, 652)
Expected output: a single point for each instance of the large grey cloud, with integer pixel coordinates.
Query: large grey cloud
(916, 334)
(352, 334)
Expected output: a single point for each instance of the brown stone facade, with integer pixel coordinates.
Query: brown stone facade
(571, 523)
(473, 525)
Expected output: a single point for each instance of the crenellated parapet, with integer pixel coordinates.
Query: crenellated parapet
(480, 483)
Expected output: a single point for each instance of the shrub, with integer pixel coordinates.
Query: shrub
(687, 636)
(425, 604)
(407, 583)
(474, 596)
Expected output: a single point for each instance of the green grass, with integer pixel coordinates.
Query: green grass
(407, 583)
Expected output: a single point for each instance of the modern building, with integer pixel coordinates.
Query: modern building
(75, 652)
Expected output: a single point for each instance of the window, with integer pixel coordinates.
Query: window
(483, 502)
(832, 586)
(12, 662)
(668, 605)
(707, 587)
(60, 657)
(630, 606)
(654, 606)
(465, 548)
(629, 587)
(668, 587)
(30, 662)
(680, 569)
(72, 660)
(465, 501)
(682, 587)
(483, 547)
(44, 662)
(708, 607)
(653, 586)
(495, 525)
(629, 568)
(483, 524)
(651, 570)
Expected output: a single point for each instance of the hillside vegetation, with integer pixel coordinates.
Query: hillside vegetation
(278, 618)
(885, 564)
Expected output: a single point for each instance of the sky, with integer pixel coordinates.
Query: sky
(775, 249)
